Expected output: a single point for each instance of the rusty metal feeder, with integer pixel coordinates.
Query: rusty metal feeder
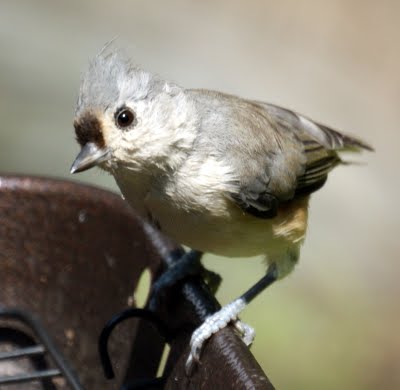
(70, 258)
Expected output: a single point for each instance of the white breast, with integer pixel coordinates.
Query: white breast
(232, 235)
(194, 209)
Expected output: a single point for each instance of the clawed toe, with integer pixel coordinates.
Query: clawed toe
(212, 325)
(246, 331)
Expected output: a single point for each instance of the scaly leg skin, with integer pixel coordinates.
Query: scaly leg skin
(228, 313)
(212, 325)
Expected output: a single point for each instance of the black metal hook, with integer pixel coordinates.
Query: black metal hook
(145, 384)
(117, 319)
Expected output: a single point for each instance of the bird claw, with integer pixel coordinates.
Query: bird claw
(212, 325)
(248, 333)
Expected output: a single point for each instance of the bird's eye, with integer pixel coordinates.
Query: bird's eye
(124, 117)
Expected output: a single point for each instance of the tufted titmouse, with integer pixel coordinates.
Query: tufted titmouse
(216, 172)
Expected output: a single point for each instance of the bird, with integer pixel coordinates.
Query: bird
(215, 172)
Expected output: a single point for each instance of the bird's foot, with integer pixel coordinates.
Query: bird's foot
(246, 331)
(212, 325)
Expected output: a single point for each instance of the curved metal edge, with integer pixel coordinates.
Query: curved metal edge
(34, 324)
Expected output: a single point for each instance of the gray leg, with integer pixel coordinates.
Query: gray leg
(281, 264)
(227, 314)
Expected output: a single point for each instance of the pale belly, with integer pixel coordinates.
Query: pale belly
(222, 229)
(234, 234)
(215, 235)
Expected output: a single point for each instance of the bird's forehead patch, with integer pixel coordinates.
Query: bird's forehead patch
(112, 78)
(88, 128)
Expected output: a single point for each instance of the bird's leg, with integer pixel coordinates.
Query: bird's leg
(227, 314)
(188, 264)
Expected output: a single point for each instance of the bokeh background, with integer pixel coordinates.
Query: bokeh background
(334, 323)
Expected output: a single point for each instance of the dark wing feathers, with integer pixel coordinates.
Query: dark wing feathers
(276, 154)
(319, 145)
(319, 162)
(261, 204)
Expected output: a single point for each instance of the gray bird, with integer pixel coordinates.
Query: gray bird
(215, 172)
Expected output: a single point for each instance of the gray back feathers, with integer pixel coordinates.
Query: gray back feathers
(276, 154)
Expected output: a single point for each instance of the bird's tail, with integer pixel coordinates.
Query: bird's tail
(343, 142)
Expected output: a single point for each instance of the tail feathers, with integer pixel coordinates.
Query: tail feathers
(321, 147)
(309, 130)
(343, 142)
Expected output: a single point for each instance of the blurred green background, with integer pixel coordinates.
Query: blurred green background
(334, 323)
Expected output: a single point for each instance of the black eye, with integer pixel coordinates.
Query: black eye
(124, 117)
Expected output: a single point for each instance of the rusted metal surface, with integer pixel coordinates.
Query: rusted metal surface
(72, 255)
(226, 363)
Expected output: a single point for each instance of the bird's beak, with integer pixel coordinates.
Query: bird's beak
(89, 156)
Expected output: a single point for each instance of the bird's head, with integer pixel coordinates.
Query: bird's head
(126, 117)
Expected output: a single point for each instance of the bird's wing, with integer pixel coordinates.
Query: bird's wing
(320, 145)
(275, 154)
